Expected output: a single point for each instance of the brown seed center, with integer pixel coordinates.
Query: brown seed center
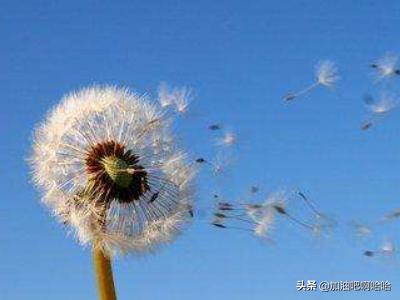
(115, 173)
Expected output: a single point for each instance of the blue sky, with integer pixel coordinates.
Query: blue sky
(240, 58)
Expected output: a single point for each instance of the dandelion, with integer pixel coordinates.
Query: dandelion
(326, 75)
(100, 172)
(386, 66)
(379, 109)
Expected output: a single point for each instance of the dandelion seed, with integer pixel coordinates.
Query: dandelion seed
(309, 203)
(201, 160)
(219, 221)
(379, 109)
(228, 139)
(392, 215)
(102, 174)
(190, 211)
(386, 66)
(264, 214)
(253, 206)
(218, 225)
(225, 206)
(154, 197)
(290, 97)
(259, 218)
(217, 167)
(182, 101)
(264, 225)
(386, 103)
(366, 125)
(220, 215)
(254, 189)
(322, 222)
(165, 97)
(237, 216)
(369, 253)
(361, 230)
(280, 209)
(262, 228)
(180, 98)
(215, 127)
(387, 248)
(326, 74)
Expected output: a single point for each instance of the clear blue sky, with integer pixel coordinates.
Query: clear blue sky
(240, 57)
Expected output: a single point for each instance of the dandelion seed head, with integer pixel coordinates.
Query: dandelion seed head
(327, 73)
(100, 157)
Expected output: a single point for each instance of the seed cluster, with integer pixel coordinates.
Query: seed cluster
(108, 166)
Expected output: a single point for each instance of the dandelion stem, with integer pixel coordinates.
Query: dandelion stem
(104, 276)
(307, 89)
